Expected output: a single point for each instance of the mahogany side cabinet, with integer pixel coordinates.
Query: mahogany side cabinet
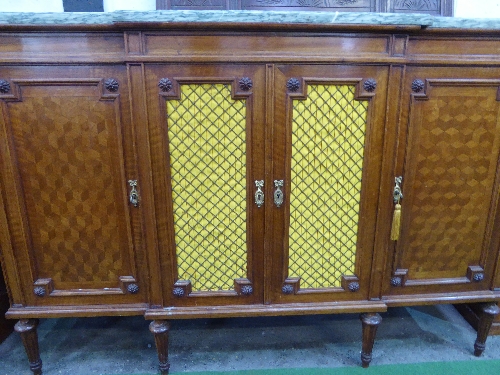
(188, 169)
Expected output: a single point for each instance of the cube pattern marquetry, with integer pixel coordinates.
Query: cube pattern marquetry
(328, 137)
(68, 154)
(456, 151)
(207, 144)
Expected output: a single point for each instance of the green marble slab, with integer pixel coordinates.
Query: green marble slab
(466, 23)
(250, 17)
(66, 18)
(227, 17)
(276, 17)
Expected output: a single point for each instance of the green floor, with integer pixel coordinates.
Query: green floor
(435, 368)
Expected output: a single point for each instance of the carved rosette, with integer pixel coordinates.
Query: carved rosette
(39, 291)
(246, 290)
(293, 84)
(478, 277)
(353, 286)
(4, 86)
(417, 85)
(165, 84)
(287, 289)
(370, 85)
(178, 292)
(133, 288)
(245, 84)
(111, 85)
(396, 281)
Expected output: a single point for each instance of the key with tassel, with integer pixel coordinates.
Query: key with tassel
(396, 217)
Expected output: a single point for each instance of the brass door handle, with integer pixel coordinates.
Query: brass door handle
(279, 196)
(396, 217)
(259, 194)
(134, 194)
(398, 192)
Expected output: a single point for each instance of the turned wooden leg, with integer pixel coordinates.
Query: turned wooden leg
(370, 322)
(27, 329)
(488, 313)
(160, 328)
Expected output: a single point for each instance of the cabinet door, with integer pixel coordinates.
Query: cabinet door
(207, 129)
(450, 148)
(66, 158)
(327, 148)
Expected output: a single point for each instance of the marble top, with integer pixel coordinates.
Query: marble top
(250, 17)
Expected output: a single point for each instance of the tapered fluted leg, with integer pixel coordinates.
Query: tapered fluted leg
(160, 328)
(488, 313)
(29, 335)
(370, 322)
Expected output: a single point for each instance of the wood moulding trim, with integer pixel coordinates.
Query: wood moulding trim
(244, 26)
(473, 274)
(265, 310)
(438, 60)
(441, 298)
(15, 92)
(76, 311)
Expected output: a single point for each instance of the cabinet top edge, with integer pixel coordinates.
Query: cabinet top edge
(239, 20)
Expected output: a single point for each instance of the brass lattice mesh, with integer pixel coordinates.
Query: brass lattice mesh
(328, 135)
(206, 130)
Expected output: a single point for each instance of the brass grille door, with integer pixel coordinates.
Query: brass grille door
(332, 141)
(212, 165)
(450, 182)
(207, 139)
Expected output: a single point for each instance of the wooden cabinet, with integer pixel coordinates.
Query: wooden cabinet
(174, 173)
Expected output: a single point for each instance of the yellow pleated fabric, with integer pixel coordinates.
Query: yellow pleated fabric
(328, 136)
(206, 130)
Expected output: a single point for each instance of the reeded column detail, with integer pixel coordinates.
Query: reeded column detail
(370, 322)
(160, 328)
(27, 329)
(488, 313)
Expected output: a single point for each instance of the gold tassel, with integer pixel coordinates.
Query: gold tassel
(396, 222)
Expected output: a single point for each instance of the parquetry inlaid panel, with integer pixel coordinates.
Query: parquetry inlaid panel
(455, 151)
(328, 136)
(66, 148)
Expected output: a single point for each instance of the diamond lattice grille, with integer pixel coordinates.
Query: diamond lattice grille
(328, 135)
(206, 130)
